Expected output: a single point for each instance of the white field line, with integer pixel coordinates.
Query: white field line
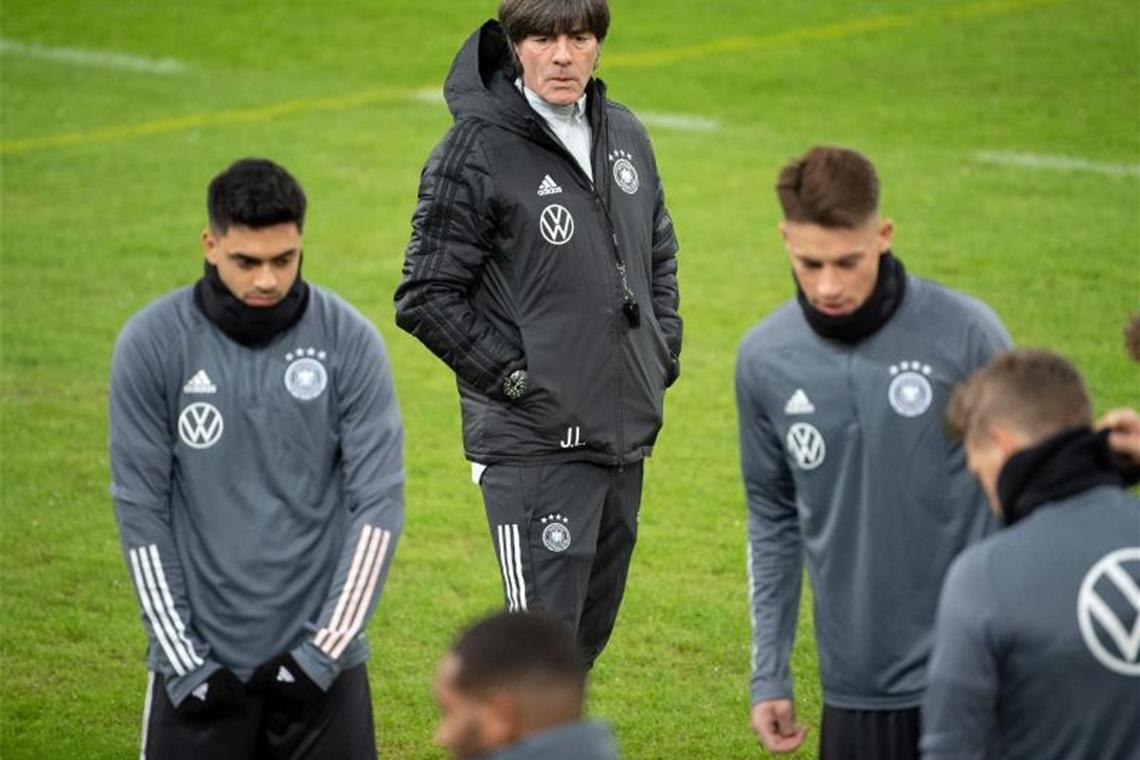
(429, 95)
(106, 59)
(680, 121)
(1044, 162)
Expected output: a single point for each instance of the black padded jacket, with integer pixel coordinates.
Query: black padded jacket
(517, 260)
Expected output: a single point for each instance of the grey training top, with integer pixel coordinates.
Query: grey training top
(1038, 638)
(846, 464)
(586, 740)
(259, 492)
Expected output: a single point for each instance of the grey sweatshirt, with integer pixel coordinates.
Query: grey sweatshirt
(1038, 638)
(259, 492)
(589, 740)
(846, 464)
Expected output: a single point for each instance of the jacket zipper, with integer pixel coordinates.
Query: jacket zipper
(623, 281)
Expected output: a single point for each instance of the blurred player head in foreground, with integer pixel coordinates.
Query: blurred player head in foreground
(508, 679)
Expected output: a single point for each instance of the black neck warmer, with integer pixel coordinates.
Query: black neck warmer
(247, 325)
(1066, 464)
(890, 287)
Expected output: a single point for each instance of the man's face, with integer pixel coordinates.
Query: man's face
(557, 67)
(258, 265)
(468, 725)
(837, 267)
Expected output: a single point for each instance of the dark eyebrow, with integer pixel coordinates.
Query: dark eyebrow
(246, 258)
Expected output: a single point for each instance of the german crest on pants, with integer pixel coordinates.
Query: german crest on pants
(556, 533)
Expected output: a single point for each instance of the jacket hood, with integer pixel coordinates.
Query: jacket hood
(481, 83)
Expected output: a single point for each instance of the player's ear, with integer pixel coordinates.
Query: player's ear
(783, 228)
(886, 234)
(502, 719)
(210, 246)
(1007, 438)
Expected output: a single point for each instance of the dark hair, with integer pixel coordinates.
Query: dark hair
(254, 192)
(522, 18)
(509, 650)
(1039, 392)
(829, 186)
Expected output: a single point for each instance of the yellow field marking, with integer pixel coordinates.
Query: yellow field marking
(723, 46)
(840, 30)
(206, 120)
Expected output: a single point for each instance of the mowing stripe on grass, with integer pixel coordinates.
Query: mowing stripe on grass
(1044, 162)
(680, 121)
(853, 28)
(205, 120)
(103, 59)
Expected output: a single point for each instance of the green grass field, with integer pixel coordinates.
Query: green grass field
(103, 180)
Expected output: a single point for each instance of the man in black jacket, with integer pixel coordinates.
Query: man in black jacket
(542, 270)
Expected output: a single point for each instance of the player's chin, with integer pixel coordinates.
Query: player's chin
(261, 302)
(563, 93)
(834, 310)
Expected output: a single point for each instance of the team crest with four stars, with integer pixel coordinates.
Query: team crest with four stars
(910, 393)
(306, 377)
(556, 533)
(625, 175)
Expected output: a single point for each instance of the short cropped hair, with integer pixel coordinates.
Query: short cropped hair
(513, 650)
(254, 192)
(1038, 392)
(829, 186)
(522, 18)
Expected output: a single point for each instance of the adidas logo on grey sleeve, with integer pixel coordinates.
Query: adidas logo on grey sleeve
(799, 403)
(200, 383)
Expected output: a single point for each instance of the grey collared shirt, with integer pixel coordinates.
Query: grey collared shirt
(568, 123)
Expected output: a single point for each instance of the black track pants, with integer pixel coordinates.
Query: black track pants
(564, 536)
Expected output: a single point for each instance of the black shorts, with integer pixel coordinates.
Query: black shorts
(339, 727)
(869, 734)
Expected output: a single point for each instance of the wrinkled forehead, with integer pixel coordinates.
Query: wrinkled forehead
(556, 28)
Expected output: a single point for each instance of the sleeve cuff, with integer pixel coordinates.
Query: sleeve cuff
(180, 687)
(763, 690)
(320, 669)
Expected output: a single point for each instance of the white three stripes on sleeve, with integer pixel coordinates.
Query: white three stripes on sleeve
(158, 604)
(359, 586)
(510, 561)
